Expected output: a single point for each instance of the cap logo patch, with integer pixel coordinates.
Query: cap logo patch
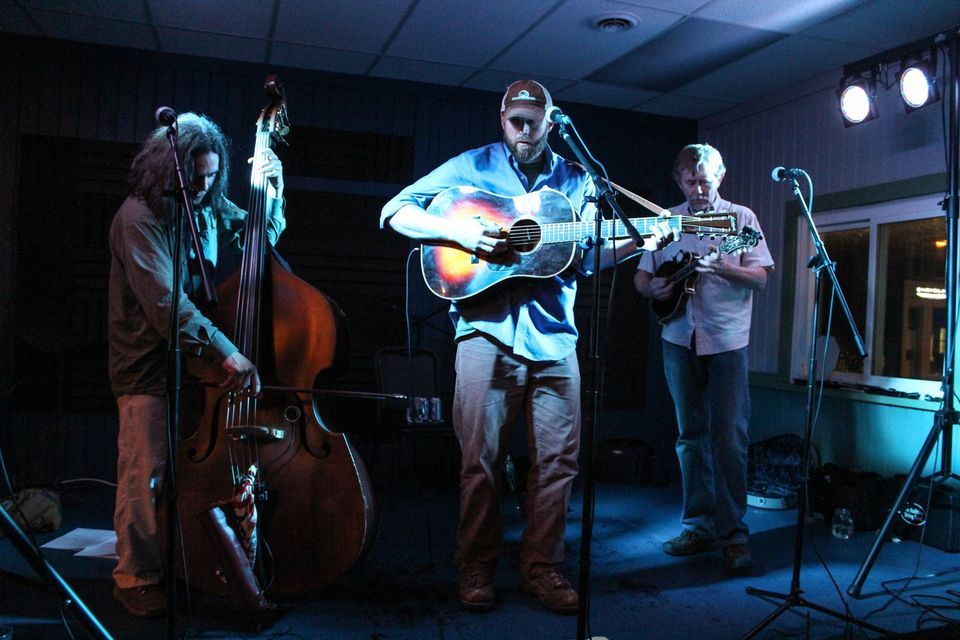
(523, 94)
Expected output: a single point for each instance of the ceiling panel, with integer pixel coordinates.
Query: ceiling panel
(133, 11)
(249, 18)
(322, 58)
(94, 29)
(679, 106)
(684, 52)
(680, 55)
(420, 71)
(606, 95)
(356, 25)
(773, 68)
(564, 43)
(444, 31)
(498, 81)
(900, 22)
(212, 45)
(786, 17)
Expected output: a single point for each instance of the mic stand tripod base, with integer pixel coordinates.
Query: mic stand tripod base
(795, 599)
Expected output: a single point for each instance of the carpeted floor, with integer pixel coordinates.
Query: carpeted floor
(405, 588)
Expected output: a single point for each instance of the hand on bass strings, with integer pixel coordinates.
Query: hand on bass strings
(241, 374)
(270, 166)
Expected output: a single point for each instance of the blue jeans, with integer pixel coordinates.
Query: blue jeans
(712, 399)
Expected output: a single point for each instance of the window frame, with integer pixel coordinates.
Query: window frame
(869, 216)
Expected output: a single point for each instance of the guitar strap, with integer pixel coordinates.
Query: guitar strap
(643, 202)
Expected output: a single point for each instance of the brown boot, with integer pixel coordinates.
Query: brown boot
(476, 588)
(146, 601)
(548, 584)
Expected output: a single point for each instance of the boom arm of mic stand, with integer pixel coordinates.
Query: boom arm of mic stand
(826, 263)
(575, 143)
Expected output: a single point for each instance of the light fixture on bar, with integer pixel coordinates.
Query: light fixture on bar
(858, 99)
(918, 81)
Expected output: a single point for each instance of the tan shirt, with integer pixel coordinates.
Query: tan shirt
(719, 312)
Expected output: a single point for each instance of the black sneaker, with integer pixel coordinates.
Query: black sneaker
(686, 544)
(145, 601)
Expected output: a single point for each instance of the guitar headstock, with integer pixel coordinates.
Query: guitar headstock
(712, 226)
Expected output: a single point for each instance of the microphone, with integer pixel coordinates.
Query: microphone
(557, 117)
(779, 174)
(165, 116)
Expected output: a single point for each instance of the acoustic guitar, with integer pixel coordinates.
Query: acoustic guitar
(684, 273)
(543, 233)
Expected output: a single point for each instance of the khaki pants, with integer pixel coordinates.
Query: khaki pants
(492, 388)
(141, 463)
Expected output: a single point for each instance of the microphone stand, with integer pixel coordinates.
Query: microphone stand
(819, 263)
(946, 417)
(184, 209)
(592, 418)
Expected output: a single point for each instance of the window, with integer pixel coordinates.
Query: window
(890, 264)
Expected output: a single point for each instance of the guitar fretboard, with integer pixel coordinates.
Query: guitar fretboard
(576, 231)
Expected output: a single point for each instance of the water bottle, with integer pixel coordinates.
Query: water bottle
(842, 523)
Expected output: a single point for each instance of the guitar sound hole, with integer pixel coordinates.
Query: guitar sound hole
(525, 236)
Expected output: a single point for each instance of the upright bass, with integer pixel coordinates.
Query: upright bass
(271, 500)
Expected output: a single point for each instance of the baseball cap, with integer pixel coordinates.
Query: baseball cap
(529, 95)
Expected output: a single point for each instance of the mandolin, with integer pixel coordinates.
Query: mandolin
(683, 273)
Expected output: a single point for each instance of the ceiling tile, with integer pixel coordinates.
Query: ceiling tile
(498, 81)
(444, 31)
(683, 106)
(357, 25)
(606, 95)
(248, 18)
(565, 43)
(786, 17)
(97, 30)
(684, 52)
(213, 45)
(15, 20)
(127, 11)
(885, 24)
(306, 57)
(783, 63)
(677, 6)
(421, 71)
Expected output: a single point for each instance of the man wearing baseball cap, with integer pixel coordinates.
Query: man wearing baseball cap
(516, 351)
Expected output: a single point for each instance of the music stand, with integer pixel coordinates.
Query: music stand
(819, 263)
(68, 597)
(945, 417)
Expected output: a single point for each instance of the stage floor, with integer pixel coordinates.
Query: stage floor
(406, 588)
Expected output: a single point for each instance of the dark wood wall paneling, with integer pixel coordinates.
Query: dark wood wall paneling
(355, 141)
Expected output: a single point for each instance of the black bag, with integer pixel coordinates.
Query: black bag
(773, 467)
(629, 460)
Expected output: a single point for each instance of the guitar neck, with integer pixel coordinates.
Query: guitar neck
(576, 231)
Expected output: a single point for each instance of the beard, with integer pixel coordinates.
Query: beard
(528, 153)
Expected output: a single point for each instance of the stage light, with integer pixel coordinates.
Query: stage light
(857, 100)
(918, 83)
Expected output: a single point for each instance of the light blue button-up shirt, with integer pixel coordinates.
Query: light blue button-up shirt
(533, 317)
